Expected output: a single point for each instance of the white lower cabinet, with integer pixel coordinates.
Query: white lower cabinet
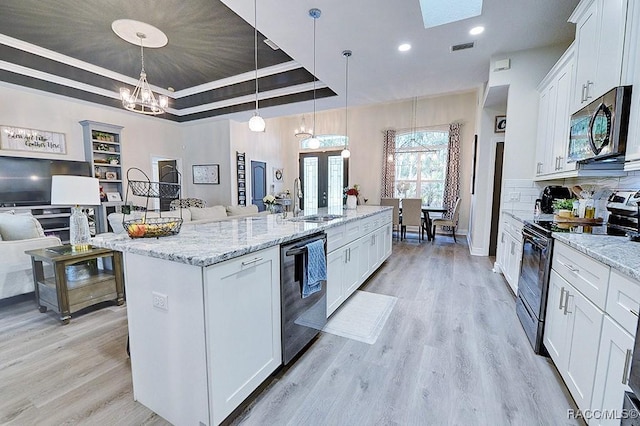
(351, 264)
(583, 327)
(614, 363)
(592, 313)
(242, 331)
(510, 250)
(572, 322)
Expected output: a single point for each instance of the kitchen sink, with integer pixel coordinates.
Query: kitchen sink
(317, 218)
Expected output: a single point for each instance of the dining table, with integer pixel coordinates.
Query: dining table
(426, 210)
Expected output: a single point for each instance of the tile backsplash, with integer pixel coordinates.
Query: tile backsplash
(519, 195)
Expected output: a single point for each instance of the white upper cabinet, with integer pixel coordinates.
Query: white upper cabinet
(600, 34)
(554, 116)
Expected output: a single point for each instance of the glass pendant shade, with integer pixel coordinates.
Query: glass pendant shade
(345, 153)
(257, 124)
(314, 143)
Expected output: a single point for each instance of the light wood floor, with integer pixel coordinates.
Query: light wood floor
(452, 352)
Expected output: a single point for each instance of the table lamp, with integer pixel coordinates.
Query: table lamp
(76, 191)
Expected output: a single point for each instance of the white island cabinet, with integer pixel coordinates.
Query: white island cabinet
(202, 339)
(203, 306)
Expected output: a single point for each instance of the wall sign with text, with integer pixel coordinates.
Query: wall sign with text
(19, 139)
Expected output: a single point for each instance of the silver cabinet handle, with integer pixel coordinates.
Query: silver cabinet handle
(346, 259)
(251, 262)
(583, 97)
(588, 96)
(566, 304)
(349, 254)
(561, 297)
(572, 268)
(627, 361)
(634, 312)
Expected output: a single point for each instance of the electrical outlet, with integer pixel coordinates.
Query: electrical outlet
(160, 301)
(514, 196)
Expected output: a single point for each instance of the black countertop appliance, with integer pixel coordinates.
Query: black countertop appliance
(551, 193)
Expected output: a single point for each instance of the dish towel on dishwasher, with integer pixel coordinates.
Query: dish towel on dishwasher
(315, 268)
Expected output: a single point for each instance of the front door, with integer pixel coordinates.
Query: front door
(323, 176)
(167, 172)
(258, 183)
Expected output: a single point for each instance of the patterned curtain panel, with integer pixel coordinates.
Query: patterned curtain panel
(452, 180)
(388, 164)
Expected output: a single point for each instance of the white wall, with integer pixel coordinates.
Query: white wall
(528, 68)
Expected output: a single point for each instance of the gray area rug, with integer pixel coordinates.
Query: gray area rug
(362, 317)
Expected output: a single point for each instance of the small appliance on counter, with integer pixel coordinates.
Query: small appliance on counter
(551, 193)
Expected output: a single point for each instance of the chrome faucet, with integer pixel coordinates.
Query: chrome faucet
(297, 195)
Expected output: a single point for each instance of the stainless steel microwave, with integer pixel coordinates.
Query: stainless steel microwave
(599, 130)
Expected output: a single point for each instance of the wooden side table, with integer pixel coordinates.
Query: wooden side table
(97, 283)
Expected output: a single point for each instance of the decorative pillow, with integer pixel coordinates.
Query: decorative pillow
(19, 227)
(242, 210)
(215, 212)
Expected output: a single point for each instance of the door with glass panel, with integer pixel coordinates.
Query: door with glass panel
(323, 176)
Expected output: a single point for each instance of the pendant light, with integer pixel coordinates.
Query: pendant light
(314, 142)
(256, 123)
(345, 152)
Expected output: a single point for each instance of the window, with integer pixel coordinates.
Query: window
(327, 141)
(421, 165)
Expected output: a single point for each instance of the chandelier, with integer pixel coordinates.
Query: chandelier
(303, 132)
(142, 99)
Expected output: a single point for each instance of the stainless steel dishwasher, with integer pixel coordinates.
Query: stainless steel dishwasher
(302, 318)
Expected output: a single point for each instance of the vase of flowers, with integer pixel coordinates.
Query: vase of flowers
(352, 196)
(270, 203)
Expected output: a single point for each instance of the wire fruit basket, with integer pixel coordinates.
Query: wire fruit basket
(153, 227)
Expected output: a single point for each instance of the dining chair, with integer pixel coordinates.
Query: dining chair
(412, 216)
(451, 223)
(395, 203)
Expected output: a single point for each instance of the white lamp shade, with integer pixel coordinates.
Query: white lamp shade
(345, 153)
(257, 124)
(75, 190)
(314, 143)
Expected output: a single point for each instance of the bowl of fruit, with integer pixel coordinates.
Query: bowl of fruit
(153, 227)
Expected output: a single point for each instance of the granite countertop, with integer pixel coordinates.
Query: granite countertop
(528, 217)
(205, 244)
(619, 253)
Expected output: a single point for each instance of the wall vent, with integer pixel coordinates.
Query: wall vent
(462, 46)
(271, 44)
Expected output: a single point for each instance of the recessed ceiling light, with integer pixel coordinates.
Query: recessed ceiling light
(476, 30)
(404, 47)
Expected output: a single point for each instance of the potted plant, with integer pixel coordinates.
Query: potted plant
(270, 201)
(352, 196)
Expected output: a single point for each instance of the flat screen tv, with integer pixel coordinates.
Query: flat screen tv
(27, 181)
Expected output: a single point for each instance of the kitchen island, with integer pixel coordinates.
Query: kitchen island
(203, 306)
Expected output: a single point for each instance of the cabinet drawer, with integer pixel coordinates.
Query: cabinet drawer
(587, 275)
(336, 237)
(623, 299)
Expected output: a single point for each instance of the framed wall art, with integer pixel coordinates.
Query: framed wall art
(206, 173)
(21, 139)
(500, 125)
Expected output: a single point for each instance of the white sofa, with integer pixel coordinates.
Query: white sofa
(191, 215)
(19, 233)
